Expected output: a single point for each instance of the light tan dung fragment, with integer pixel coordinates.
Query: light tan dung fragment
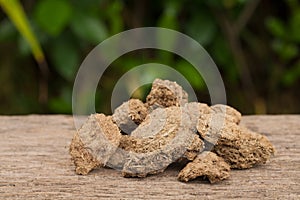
(240, 147)
(129, 115)
(165, 93)
(152, 153)
(231, 114)
(94, 143)
(243, 148)
(206, 164)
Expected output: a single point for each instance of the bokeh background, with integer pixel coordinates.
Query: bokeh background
(254, 43)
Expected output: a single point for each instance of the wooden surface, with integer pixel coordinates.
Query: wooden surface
(35, 164)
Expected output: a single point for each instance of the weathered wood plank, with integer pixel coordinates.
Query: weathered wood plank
(35, 164)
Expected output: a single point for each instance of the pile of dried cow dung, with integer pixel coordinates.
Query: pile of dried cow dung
(145, 138)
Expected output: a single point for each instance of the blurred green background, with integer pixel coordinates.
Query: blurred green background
(254, 43)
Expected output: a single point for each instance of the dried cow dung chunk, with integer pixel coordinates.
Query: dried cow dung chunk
(239, 146)
(211, 122)
(206, 164)
(84, 161)
(168, 129)
(153, 153)
(118, 159)
(156, 161)
(230, 113)
(158, 122)
(94, 143)
(148, 137)
(195, 111)
(242, 148)
(218, 118)
(165, 93)
(163, 123)
(129, 115)
(194, 148)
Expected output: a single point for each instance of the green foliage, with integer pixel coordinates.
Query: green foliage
(7, 31)
(65, 64)
(68, 29)
(187, 70)
(286, 42)
(15, 11)
(291, 75)
(88, 28)
(168, 18)
(202, 27)
(53, 15)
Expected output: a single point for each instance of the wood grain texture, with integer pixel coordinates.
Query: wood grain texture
(35, 164)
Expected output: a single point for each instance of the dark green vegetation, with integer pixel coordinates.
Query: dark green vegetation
(254, 43)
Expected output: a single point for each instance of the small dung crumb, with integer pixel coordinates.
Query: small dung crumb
(206, 164)
(129, 115)
(94, 143)
(165, 93)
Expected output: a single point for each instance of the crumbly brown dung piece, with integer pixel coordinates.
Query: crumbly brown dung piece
(157, 120)
(156, 161)
(196, 146)
(153, 153)
(243, 148)
(232, 114)
(212, 121)
(129, 115)
(82, 158)
(210, 126)
(94, 143)
(240, 147)
(206, 164)
(200, 113)
(160, 126)
(195, 111)
(165, 93)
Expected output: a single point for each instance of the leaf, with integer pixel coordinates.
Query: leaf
(53, 15)
(65, 58)
(7, 31)
(215, 3)
(15, 11)
(295, 26)
(276, 27)
(62, 103)
(168, 18)
(114, 13)
(221, 54)
(192, 75)
(291, 75)
(89, 28)
(41, 36)
(60, 106)
(202, 28)
(220, 51)
(285, 50)
(24, 47)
